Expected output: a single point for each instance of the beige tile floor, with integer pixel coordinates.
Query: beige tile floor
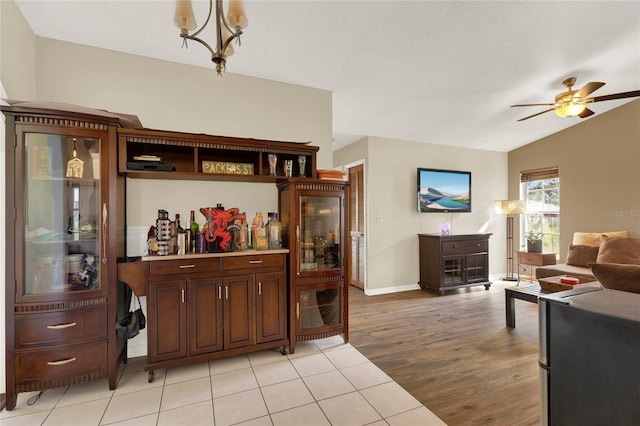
(326, 382)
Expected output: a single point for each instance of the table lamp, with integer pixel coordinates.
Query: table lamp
(510, 208)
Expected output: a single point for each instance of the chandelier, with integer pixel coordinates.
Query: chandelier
(226, 29)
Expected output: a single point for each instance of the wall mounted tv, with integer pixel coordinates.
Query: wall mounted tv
(443, 191)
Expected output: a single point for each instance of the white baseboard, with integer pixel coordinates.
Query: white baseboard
(394, 289)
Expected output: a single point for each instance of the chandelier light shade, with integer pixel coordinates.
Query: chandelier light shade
(510, 208)
(226, 29)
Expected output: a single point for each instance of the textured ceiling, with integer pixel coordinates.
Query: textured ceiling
(441, 72)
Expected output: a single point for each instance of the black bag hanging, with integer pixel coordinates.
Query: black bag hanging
(131, 323)
(142, 321)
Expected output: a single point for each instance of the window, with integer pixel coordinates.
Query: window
(540, 188)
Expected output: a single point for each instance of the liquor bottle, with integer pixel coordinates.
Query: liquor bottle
(260, 241)
(179, 228)
(195, 230)
(244, 239)
(173, 238)
(274, 231)
(180, 237)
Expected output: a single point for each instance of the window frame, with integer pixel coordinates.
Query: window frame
(544, 210)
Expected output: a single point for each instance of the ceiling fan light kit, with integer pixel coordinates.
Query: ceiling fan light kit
(227, 30)
(573, 103)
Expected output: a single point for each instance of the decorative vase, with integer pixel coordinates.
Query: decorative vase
(535, 246)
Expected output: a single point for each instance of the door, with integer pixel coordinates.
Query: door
(270, 307)
(239, 311)
(357, 224)
(205, 315)
(318, 309)
(62, 212)
(167, 331)
(320, 249)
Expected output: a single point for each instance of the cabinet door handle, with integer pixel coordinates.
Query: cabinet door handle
(61, 326)
(260, 288)
(220, 293)
(61, 362)
(182, 295)
(297, 310)
(298, 233)
(255, 261)
(104, 233)
(226, 292)
(186, 266)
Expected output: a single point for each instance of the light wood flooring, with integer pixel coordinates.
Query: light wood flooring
(453, 352)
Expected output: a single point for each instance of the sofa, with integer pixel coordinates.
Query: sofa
(612, 258)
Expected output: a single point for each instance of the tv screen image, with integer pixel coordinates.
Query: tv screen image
(443, 191)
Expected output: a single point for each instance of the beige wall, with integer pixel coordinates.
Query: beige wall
(390, 186)
(178, 97)
(599, 161)
(17, 54)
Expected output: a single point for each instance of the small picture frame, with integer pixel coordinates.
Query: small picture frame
(41, 161)
(75, 168)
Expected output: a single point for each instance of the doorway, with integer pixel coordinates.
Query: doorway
(356, 221)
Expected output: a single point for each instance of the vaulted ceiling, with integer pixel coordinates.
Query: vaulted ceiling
(443, 72)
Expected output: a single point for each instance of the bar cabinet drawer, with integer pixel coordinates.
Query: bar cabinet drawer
(184, 266)
(61, 327)
(253, 262)
(87, 359)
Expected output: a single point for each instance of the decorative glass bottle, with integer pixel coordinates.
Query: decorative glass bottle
(274, 231)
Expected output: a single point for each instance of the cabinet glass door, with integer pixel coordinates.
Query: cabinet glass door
(320, 233)
(319, 308)
(476, 268)
(62, 214)
(452, 271)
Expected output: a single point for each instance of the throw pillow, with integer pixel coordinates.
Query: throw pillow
(619, 250)
(581, 255)
(595, 238)
(616, 276)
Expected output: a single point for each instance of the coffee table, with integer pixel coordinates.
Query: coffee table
(529, 293)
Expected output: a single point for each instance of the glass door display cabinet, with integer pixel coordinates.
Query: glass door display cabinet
(60, 249)
(313, 216)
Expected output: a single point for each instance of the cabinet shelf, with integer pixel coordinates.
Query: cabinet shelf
(187, 152)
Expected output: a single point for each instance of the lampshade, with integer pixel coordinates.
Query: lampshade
(569, 109)
(509, 207)
(236, 17)
(184, 18)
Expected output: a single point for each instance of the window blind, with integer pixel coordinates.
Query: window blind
(539, 174)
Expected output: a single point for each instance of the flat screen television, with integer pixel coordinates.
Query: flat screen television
(443, 191)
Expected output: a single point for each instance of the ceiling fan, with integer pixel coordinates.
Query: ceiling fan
(574, 102)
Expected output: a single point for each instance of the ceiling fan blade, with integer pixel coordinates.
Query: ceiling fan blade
(586, 113)
(632, 94)
(541, 112)
(527, 105)
(589, 88)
